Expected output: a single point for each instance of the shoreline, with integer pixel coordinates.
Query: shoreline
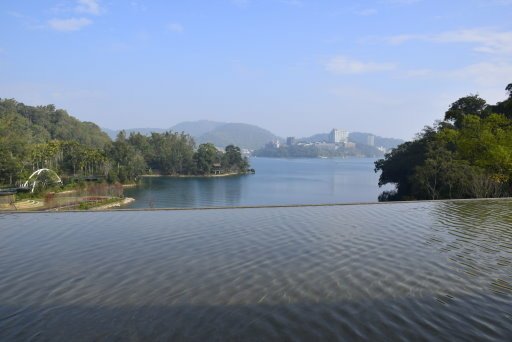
(229, 174)
(74, 191)
(270, 206)
(118, 204)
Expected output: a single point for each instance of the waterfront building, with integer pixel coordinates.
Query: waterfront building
(274, 144)
(290, 141)
(338, 136)
(370, 140)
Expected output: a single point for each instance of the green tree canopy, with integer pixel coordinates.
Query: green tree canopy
(469, 155)
(469, 105)
(205, 157)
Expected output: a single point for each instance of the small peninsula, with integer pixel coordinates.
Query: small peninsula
(47, 155)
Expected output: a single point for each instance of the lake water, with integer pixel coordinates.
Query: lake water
(276, 182)
(408, 271)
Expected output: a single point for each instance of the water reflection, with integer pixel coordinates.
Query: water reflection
(409, 271)
(277, 181)
(476, 237)
(163, 192)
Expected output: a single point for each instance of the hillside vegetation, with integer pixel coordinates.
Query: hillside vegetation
(466, 155)
(44, 137)
(44, 123)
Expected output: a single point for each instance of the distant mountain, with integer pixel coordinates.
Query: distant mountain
(358, 138)
(315, 138)
(194, 128)
(197, 128)
(220, 134)
(243, 135)
(110, 132)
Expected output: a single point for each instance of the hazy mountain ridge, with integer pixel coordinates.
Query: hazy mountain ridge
(197, 128)
(240, 134)
(247, 136)
(218, 133)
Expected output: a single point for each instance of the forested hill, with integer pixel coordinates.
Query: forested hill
(32, 138)
(39, 124)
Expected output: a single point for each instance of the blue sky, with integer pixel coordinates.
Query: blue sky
(295, 67)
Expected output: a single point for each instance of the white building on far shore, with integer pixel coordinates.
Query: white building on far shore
(338, 136)
(370, 140)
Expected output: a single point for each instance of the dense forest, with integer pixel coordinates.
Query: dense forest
(466, 155)
(46, 137)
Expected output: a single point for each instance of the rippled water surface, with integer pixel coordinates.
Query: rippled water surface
(277, 181)
(436, 270)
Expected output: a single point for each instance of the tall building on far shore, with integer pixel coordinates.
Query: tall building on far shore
(273, 144)
(290, 141)
(338, 136)
(370, 140)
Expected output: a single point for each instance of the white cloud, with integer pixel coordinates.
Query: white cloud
(27, 21)
(486, 74)
(489, 41)
(483, 75)
(175, 27)
(88, 6)
(71, 24)
(345, 65)
(485, 40)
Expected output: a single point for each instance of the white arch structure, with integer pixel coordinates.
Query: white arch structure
(36, 174)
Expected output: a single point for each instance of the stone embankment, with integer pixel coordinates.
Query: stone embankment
(118, 204)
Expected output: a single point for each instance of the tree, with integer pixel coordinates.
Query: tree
(233, 160)
(10, 167)
(128, 162)
(205, 156)
(468, 105)
(470, 158)
(505, 107)
(399, 165)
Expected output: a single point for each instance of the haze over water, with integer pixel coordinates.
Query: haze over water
(276, 182)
